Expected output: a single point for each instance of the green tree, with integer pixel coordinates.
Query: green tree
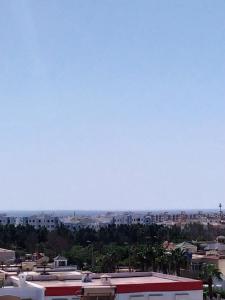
(178, 260)
(108, 263)
(209, 272)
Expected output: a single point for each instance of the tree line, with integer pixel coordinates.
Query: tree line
(107, 249)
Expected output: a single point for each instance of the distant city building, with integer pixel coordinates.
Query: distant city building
(38, 221)
(96, 222)
(5, 220)
(76, 223)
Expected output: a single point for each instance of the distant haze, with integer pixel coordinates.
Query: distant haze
(63, 213)
(112, 104)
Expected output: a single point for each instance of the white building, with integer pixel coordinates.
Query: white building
(38, 221)
(114, 286)
(138, 219)
(76, 223)
(128, 219)
(5, 220)
(20, 289)
(60, 261)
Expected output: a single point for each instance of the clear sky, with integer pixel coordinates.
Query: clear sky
(112, 104)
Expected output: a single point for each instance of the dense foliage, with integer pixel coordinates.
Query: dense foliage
(133, 246)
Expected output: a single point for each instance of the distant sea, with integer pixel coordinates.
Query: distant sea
(62, 213)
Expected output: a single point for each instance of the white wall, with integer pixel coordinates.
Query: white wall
(63, 298)
(24, 292)
(28, 290)
(185, 295)
(181, 295)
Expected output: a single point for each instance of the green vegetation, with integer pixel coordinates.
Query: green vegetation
(210, 271)
(106, 250)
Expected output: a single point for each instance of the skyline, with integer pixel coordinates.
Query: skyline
(112, 105)
(93, 211)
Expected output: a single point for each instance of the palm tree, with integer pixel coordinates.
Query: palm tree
(178, 260)
(108, 263)
(162, 260)
(159, 261)
(141, 259)
(210, 271)
(145, 258)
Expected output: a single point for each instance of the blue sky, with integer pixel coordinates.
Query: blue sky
(112, 104)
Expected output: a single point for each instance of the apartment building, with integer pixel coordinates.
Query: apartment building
(128, 219)
(38, 221)
(74, 223)
(5, 220)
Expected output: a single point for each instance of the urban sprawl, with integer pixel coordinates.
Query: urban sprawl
(96, 221)
(113, 255)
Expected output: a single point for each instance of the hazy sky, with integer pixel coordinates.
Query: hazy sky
(112, 104)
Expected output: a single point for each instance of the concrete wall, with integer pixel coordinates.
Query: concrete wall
(6, 255)
(185, 295)
(63, 298)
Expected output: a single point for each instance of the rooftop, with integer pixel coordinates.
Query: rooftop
(97, 282)
(6, 250)
(60, 257)
(129, 282)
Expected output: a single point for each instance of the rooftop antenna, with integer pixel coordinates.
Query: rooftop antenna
(220, 206)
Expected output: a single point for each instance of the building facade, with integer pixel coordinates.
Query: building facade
(114, 286)
(6, 220)
(38, 221)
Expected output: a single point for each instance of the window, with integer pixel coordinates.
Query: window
(155, 297)
(62, 263)
(137, 297)
(183, 296)
(97, 297)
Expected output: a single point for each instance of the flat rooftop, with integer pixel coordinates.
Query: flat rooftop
(98, 282)
(6, 250)
(123, 282)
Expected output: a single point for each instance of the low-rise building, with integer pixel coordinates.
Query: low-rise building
(188, 247)
(60, 261)
(114, 286)
(7, 255)
(215, 248)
